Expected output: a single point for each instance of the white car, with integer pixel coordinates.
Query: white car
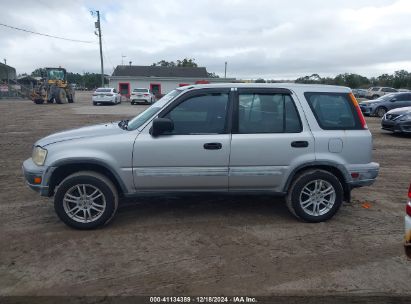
(407, 221)
(142, 95)
(106, 96)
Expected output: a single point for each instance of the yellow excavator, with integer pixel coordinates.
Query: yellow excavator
(53, 87)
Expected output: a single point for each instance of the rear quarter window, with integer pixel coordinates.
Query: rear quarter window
(333, 111)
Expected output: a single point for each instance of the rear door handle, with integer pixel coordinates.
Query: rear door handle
(299, 144)
(213, 146)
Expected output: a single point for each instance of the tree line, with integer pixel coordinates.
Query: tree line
(399, 79)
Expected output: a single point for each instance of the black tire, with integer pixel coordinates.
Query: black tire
(93, 180)
(94, 103)
(303, 180)
(61, 96)
(38, 101)
(380, 111)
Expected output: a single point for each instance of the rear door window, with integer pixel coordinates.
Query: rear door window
(333, 111)
(267, 113)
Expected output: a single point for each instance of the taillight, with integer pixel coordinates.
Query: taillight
(408, 207)
(146, 94)
(409, 192)
(358, 110)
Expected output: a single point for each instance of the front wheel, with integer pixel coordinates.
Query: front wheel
(315, 196)
(86, 200)
(381, 112)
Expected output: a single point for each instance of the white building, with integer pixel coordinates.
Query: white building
(160, 80)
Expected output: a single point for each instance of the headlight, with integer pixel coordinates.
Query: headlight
(405, 117)
(39, 155)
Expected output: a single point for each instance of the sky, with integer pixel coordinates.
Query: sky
(267, 39)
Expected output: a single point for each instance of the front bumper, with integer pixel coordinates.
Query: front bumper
(396, 126)
(31, 171)
(366, 174)
(367, 110)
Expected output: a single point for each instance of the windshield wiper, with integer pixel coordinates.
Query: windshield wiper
(123, 124)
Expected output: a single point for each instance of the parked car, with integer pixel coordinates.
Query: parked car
(407, 221)
(142, 95)
(376, 92)
(382, 105)
(403, 90)
(295, 141)
(398, 120)
(106, 96)
(359, 93)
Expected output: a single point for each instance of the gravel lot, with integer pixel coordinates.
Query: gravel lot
(197, 246)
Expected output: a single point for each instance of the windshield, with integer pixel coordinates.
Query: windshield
(103, 90)
(385, 97)
(140, 90)
(142, 118)
(55, 74)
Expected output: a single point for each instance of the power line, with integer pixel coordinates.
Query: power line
(47, 35)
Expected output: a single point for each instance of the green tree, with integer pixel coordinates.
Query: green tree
(186, 62)
(40, 72)
(213, 75)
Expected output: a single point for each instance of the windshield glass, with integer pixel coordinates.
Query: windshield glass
(140, 90)
(385, 97)
(55, 74)
(103, 90)
(142, 118)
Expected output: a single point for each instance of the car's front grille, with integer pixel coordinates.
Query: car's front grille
(391, 116)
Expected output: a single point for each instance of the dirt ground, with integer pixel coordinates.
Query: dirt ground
(197, 246)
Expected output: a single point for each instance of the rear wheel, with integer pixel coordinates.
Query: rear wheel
(86, 200)
(315, 196)
(381, 111)
(38, 101)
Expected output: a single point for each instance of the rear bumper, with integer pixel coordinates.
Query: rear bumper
(367, 174)
(140, 99)
(32, 171)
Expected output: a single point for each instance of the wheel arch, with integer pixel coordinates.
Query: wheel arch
(339, 171)
(66, 168)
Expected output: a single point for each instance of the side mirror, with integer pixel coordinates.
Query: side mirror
(161, 125)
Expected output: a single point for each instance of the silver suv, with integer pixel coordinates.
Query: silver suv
(307, 143)
(377, 92)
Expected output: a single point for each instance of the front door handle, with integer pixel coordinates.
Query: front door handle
(299, 144)
(213, 146)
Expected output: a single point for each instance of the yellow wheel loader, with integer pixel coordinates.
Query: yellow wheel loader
(53, 87)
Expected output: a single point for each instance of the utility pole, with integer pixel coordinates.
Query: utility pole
(98, 26)
(225, 69)
(8, 80)
(122, 59)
